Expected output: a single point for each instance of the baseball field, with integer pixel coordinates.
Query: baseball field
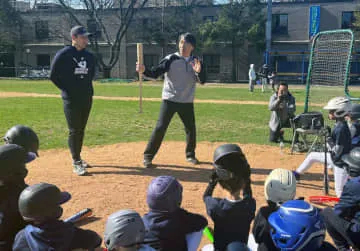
(116, 137)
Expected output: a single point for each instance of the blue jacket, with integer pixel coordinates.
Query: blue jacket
(55, 235)
(171, 228)
(355, 134)
(341, 138)
(349, 205)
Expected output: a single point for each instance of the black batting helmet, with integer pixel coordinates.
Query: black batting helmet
(23, 136)
(352, 161)
(41, 202)
(12, 163)
(230, 161)
(355, 111)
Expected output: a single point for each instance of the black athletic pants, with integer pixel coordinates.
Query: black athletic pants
(167, 111)
(77, 114)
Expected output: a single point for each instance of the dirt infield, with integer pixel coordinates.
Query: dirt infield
(118, 180)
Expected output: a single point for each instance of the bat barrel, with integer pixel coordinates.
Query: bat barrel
(80, 215)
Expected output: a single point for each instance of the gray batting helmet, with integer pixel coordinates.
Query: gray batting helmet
(124, 228)
(352, 161)
(355, 111)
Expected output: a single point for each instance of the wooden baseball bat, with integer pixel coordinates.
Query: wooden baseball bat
(140, 60)
(79, 216)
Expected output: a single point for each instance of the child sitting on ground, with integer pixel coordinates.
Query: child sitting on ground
(40, 206)
(167, 221)
(280, 186)
(232, 215)
(125, 231)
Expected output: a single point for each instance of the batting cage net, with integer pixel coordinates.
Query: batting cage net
(329, 67)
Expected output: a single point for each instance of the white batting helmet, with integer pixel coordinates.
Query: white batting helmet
(280, 186)
(341, 106)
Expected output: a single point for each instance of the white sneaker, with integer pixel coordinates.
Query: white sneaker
(79, 169)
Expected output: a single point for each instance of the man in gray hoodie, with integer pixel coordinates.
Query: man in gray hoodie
(282, 107)
(181, 71)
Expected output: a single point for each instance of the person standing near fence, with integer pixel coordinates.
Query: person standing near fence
(72, 71)
(252, 78)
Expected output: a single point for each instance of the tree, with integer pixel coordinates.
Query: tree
(238, 22)
(170, 21)
(356, 23)
(10, 26)
(98, 10)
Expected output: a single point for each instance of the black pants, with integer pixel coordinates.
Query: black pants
(77, 114)
(275, 136)
(167, 111)
(340, 230)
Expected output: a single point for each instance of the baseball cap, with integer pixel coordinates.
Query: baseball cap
(79, 31)
(124, 228)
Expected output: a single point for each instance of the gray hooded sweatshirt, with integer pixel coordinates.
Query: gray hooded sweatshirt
(180, 78)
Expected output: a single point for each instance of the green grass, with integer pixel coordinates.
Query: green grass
(132, 90)
(119, 121)
(154, 91)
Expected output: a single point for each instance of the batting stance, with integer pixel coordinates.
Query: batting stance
(181, 71)
(72, 71)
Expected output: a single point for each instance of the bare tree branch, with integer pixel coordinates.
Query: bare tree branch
(96, 10)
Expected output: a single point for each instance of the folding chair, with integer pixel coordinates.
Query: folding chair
(306, 124)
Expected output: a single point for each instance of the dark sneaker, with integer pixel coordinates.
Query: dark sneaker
(192, 160)
(148, 163)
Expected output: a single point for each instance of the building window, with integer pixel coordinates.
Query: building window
(147, 23)
(280, 24)
(94, 28)
(209, 19)
(151, 60)
(212, 63)
(42, 29)
(347, 19)
(43, 60)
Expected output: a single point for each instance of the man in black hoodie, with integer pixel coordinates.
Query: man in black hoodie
(72, 71)
(12, 174)
(40, 205)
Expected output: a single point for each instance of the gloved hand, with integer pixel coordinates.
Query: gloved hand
(214, 177)
(247, 192)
